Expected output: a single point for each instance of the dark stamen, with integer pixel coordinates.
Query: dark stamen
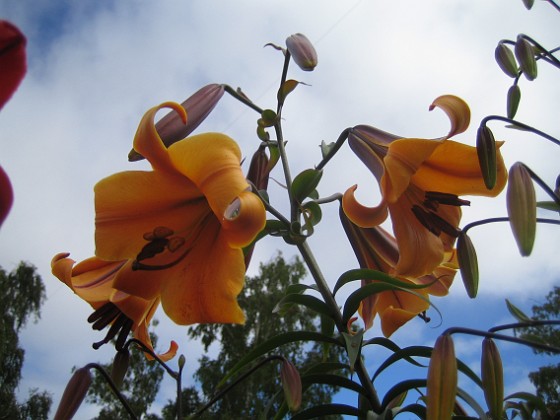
(424, 317)
(121, 324)
(101, 312)
(434, 223)
(435, 197)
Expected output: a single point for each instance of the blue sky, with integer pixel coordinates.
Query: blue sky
(94, 70)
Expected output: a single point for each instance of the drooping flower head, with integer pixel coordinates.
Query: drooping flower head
(420, 181)
(376, 249)
(92, 280)
(181, 226)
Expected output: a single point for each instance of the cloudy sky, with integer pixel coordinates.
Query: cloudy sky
(96, 67)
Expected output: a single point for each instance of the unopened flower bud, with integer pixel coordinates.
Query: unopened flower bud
(528, 3)
(506, 60)
(513, 98)
(486, 150)
(74, 394)
(171, 128)
(522, 207)
(258, 172)
(492, 378)
(302, 51)
(468, 264)
(442, 380)
(525, 54)
(120, 366)
(291, 382)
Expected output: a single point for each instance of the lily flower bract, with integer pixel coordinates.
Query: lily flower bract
(182, 225)
(420, 181)
(376, 249)
(93, 280)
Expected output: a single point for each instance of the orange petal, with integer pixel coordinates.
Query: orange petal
(144, 284)
(420, 250)
(457, 110)
(130, 204)
(208, 283)
(212, 162)
(453, 168)
(396, 308)
(404, 158)
(361, 215)
(147, 141)
(244, 218)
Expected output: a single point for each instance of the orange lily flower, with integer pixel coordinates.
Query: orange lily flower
(92, 280)
(181, 226)
(420, 181)
(377, 250)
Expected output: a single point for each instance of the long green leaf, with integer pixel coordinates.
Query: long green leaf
(472, 402)
(308, 301)
(326, 409)
(368, 274)
(402, 387)
(417, 409)
(275, 342)
(334, 380)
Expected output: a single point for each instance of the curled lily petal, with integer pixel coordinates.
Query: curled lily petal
(457, 110)
(361, 215)
(242, 218)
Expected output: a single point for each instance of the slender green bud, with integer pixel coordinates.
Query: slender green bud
(181, 361)
(442, 380)
(522, 207)
(492, 378)
(486, 150)
(525, 54)
(506, 60)
(468, 264)
(74, 394)
(120, 366)
(302, 51)
(513, 98)
(291, 382)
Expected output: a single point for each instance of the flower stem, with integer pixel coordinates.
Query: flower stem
(520, 125)
(242, 98)
(339, 142)
(328, 297)
(505, 219)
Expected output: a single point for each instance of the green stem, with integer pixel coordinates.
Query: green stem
(502, 337)
(328, 297)
(505, 219)
(553, 4)
(280, 140)
(339, 142)
(527, 324)
(113, 387)
(242, 98)
(520, 125)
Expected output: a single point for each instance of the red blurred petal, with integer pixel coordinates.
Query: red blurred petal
(6, 195)
(12, 60)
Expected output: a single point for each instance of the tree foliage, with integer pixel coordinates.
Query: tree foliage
(547, 378)
(258, 299)
(22, 293)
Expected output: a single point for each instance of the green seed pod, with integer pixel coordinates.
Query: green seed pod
(513, 98)
(525, 54)
(506, 60)
(468, 264)
(492, 378)
(522, 207)
(486, 150)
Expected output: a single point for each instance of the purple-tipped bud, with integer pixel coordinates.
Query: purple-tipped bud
(522, 207)
(74, 394)
(291, 382)
(302, 51)
(171, 128)
(442, 380)
(492, 378)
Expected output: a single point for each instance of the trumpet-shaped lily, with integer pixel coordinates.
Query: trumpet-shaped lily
(182, 225)
(92, 280)
(420, 181)
(376, 249)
